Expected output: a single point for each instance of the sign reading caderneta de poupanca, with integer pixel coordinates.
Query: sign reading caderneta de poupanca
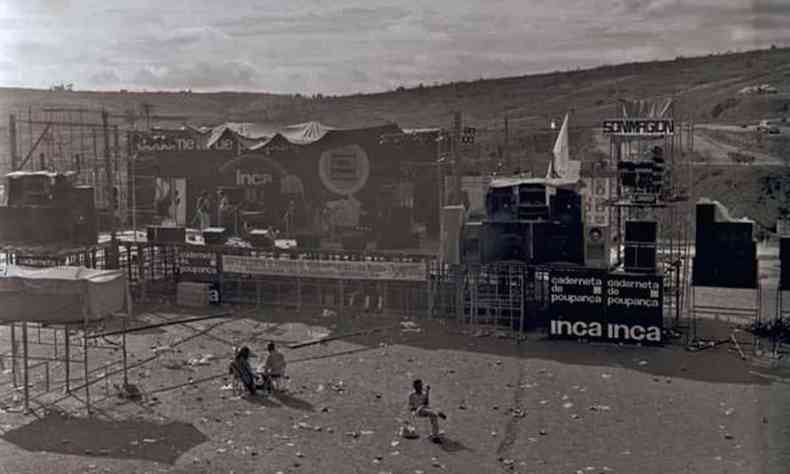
(594, 304)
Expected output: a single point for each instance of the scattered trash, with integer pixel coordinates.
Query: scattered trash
(600, 408)
(642, 363)
(409, 326)
(575, 416)
(606, 376)
(394, 443)
(407, 432)
(328, 313)
(518, 412)
(543, 432)
(353, 434)
(728, 436)
(366, 432)
(299, 455)
(567, 405)
(729, 411)
(149, 440)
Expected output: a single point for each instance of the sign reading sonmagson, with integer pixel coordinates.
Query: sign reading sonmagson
(639, 127)
(596, 305)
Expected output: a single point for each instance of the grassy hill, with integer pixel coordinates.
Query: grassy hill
(706, 90)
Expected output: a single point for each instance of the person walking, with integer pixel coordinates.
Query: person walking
(202, 210)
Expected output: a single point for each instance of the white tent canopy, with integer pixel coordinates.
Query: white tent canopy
(60, 295)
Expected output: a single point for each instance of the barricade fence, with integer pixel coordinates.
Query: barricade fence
(563, 301)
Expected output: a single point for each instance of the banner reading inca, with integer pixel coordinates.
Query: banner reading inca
(395, 271)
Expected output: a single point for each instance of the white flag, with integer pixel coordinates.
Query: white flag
(561, 165)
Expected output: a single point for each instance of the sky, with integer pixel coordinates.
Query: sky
(350, 46)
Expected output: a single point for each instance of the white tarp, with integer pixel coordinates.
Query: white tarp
(60, 294)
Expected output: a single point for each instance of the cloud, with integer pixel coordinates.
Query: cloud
(105, 78)
(201, 75)
(346, 46)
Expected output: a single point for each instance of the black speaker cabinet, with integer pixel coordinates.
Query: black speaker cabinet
(566, 207)
(596, 247)
(505, 241)
(83, 210)
(722, 272)
(640, 258)
(706, 217)
(784, 263)
(215, 236)
(641, 232)
(166, 235)
(471, 240)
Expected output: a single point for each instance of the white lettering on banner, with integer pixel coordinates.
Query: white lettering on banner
(639, 126)
(325, 269)
(252, 179)
(164, 143)
(634, 332)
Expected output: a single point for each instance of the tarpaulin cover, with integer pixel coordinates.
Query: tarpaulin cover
(60, 294)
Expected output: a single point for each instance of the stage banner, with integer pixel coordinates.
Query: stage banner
(576, 300)
(618, 307)
(340, 270)
(198, 266)
(634, 307)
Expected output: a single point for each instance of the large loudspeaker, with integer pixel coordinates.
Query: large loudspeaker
(596, 247)
(505, 241)
(784, 262)
(566, 207)
(166, 235)
(471, 241)
(641, 231)
(553, 243)
(640, 246)
(706, 217)
(452, 221)
(83, 209)
(716, 271)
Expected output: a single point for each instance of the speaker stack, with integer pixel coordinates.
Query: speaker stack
(596, 247)
(725, 252)
(640, 246)
(784, 264)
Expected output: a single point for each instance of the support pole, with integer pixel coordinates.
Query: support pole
(13, 355)
(67, 357)
(85, 366)
(12, 141)
(26, 376)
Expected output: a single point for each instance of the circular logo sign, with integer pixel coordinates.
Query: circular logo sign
(344, 170)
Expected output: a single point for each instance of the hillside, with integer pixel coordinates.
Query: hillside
(706, 90)
(700, 85)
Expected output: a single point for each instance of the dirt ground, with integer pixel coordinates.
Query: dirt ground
(531, 406)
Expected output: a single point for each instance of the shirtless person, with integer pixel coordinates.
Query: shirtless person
(419, 404)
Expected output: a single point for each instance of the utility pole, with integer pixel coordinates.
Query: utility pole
(112, 256)
(506, 151)
(12, 140)
(458, 124)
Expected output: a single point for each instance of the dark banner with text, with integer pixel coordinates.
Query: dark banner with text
(617, 307)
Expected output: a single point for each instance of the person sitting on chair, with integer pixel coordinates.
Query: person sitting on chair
(240, 367)
(419, 404)
(274, 367)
